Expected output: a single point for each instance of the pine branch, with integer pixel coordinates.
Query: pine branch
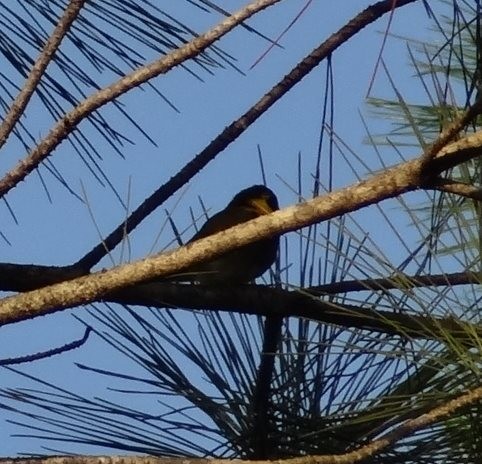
(260, 300)
(51, 45)
(410, 426)
(70, 121)
(238, 127)
(397, 282)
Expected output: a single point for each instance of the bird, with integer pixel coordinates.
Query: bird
(244, 264)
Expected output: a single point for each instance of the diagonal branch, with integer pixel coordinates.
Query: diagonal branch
(89, 288)
(451, 132)
(18, 106)
(408, 427)
(71, 120)
(237, 127)
(387, 184)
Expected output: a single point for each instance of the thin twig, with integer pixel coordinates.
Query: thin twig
(450, 133)
(458, 188)
(47, 354)
(397, 281)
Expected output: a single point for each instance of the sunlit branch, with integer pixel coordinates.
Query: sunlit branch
(71, 120)
(237, 127)
(82, 290)
(387, 184)
(410, 426)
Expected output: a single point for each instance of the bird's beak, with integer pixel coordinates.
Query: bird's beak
(261, 206)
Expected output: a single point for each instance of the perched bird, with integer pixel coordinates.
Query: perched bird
(247, 262)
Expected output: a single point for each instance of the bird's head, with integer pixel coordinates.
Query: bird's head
(258, 198)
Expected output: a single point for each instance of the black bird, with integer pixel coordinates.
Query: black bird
(247, 262)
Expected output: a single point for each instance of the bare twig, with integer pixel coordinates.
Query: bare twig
(452, 131)
(458, 188)
(47, 354)
(397, 281)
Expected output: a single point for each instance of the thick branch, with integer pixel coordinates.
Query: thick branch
(388, 184)
(261, 300)
(95, 286)
(71, 120)
(237, 127)
(25, 277)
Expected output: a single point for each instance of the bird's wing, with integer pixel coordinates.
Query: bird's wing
(223, 220)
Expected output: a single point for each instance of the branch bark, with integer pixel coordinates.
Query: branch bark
(71, 120)
(388, 184)
(279, 303)
(238, 127)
